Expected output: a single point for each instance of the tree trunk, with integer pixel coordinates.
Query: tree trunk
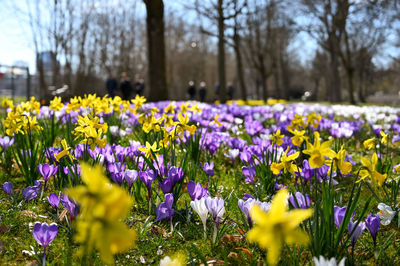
(239, 65)
(156, 50)
(221, 53)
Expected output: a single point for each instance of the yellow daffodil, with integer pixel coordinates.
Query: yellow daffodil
(313, 119)
(298, 137)
(318, 151)
(369, 143)
(56, 104)
(339, 163)
(286, 163)
(103, 207)
(277, 138)
(216, 120)
(139, 101)
(369, 170)
(149, 150)
(277, 226)
(384, 139)
(170, 109)
(65, 151)
(7, 103)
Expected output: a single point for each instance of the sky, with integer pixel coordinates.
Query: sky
(16, 38)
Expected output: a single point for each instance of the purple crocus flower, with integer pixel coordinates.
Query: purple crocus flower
(196, 191)
(8, 187)
(249, 172)
(70, 205)
(245, 206)
(307, 171)
(31, 192)
(247, 196)
(6, 142)
(357, 231)
(339, 214)
(117, 172)
(130, 177)
(216, 207)
(164, 210)
(303, 201)
(372, 223)
(208, 168)
(54, 200)
(175, 174)
(47, 171)
(148, 178)
(44, 234)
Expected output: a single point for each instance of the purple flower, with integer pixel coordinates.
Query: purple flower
(304, 202)
(357, 231)
(372, 222)
(70, 205)
(279, 186)
(166, 185)
(6, 142)
(44, 234)
(216, 207)
(148, 178)
(247, 196)
(175, 174)
(164, 210)
(47, 171)
(245, 206)
(54, 200)
(196, 191)
(130, 177)
(117, 172)
(249, 172)
(307, 171)
(31, 192)
(7, 187)
(208, 168)
(339, 215)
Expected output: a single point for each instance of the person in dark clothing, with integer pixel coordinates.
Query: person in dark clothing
(111, 85)
(125, 86)
(230, 91)
(191, 90)
(202, 91)
(139, 86)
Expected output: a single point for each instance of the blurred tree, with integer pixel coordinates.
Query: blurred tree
(156, 50)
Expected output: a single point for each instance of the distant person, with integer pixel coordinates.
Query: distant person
(191, 90)
(202, 91)
(230, 91)
(139, 86)
(111, 85)
(125, 86)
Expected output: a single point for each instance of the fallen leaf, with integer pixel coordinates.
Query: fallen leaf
(246, 251)
(62, 214)
(159, 231)
(28, 213)
(4, 229)
(231, 239)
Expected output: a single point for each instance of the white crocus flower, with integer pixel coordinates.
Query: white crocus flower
(325, 262)
(199, 206)
(385, 213)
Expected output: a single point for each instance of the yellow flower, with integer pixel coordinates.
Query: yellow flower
(369, 170)
(149, 150)
(369, 144)
(216, 120)
(298, 137)
(286, 164)
(7, 103)
(178, 259)
(183, 125)
(65, 151)
(170, 109)
(277, 226)
(277, 138)
(56, 104)
(384, 138)
(91, 131)
(139, 101)
(313, 119)
(344, 167)
(13, 123)
(318, 151)
(103, 206)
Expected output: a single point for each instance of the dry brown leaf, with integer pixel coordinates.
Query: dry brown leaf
(28, 213)
(4, 229)
(227, 239)
(246, 251)
(159, 231)
(62, 214)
